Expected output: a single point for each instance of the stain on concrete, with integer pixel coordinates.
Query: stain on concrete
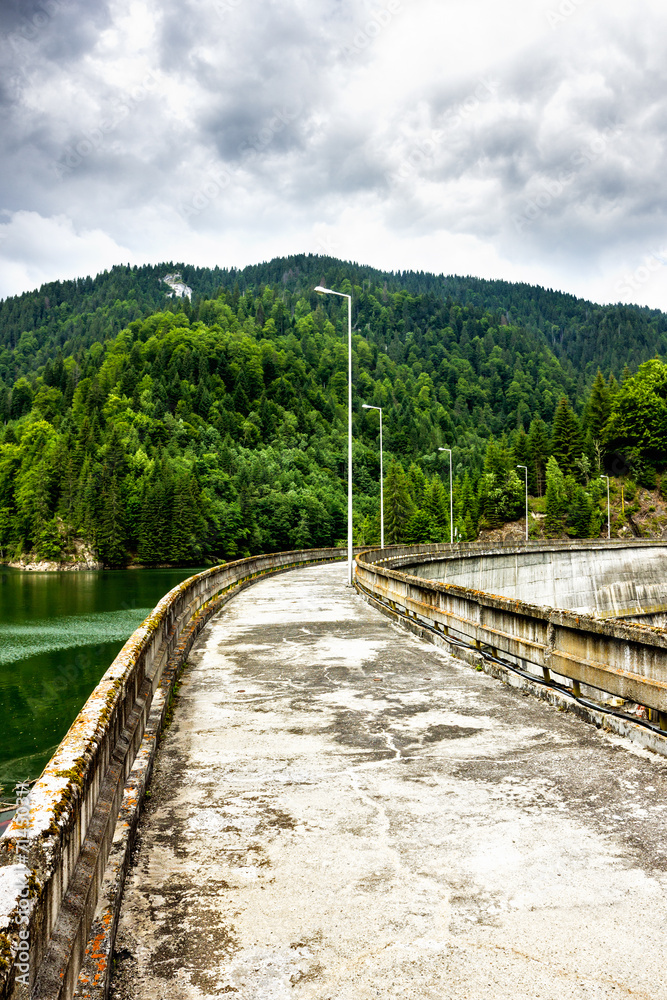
(340, 810)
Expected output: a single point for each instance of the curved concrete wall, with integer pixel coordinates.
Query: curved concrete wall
(588, 578)
(53, 858)
(624, 659)
(587, 655)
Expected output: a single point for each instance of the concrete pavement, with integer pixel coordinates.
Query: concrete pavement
(340, 810)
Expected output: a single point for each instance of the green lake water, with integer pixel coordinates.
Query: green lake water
(59, 633)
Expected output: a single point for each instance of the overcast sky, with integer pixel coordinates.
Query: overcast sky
(522, 140)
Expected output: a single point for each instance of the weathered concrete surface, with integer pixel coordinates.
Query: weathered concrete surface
(340, 810)
(582, 579)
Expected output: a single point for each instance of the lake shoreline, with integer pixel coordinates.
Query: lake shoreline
(78, 558)
(45, 566)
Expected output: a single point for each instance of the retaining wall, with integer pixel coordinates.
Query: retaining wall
(587, 576)
(625, 659)
(51, 868)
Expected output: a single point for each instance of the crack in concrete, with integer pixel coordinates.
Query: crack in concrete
(374, 818)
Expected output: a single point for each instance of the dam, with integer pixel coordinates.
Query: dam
(609, 581)
(347, 802)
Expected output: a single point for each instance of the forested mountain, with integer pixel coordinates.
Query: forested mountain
(164, 430)
(70, 315)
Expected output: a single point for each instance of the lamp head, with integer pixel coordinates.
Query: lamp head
(321, 288)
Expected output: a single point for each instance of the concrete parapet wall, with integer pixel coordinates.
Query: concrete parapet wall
(625, 659)
(591, 576)
(52, 863)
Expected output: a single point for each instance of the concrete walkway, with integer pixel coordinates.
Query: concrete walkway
(340, 811)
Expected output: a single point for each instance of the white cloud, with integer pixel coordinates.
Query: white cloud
(34, 249)
(524, 140)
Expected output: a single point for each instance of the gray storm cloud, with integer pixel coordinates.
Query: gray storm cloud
(145, 126)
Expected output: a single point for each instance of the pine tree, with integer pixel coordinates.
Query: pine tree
(467, 505)
(521, 448)
(183, 522)
(500, 491)
(416, 484)
(599, 407)
(469, 529)
(436, 505)
(566, 443)
(300, 537)
(538, 444)
(581, 514)
(556, 499)
(497, 461)
(68, 494)
(420, 529)
(49, 542)
(110, 534)
(489, 497)
(88, 501)
(156, 516)
(398, 504)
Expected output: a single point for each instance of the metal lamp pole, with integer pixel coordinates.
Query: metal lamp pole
(329, 291)
(451, 496)
(367, 406)
(526, 468)
(608, 508)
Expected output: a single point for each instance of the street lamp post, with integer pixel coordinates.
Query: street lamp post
(367, 406)
(451, 496)
(526, 468)
(329, 291)
(608, 508)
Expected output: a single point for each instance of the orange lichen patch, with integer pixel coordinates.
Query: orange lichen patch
(96, 945)
(97, 950)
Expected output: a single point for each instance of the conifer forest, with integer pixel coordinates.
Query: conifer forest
(152, 429)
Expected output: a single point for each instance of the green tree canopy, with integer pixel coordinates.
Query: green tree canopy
(566, 443)
(556, 498)
(639, 415)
